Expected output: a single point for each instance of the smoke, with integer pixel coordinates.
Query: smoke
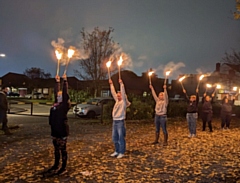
(78, 52)
(203, 71)
(171, 66)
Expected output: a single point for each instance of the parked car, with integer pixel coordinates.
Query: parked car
(92, 107)
(13, 94)
(35, 95)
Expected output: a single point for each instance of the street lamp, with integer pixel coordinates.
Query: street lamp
(2, 55)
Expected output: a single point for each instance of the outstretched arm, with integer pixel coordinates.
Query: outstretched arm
(114, 94)
(153, 93)
(165, 94)
(56, 88)
(65, 89)
(185, 92)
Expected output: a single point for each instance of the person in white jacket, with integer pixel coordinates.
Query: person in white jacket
(119, 115)
(160, 113)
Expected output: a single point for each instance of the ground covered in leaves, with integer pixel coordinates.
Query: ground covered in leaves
(210, 157)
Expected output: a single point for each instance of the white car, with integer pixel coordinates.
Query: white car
(92, 107)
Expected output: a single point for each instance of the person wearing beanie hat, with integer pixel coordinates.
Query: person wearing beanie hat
(59, 125)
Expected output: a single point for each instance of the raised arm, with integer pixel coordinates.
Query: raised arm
(56, 88)
(65, 89)
(184, 91)
(114, 94)
(122, 90)
(153, 93)
(165, 94)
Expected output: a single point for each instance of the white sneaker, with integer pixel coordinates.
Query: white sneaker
(193, 135)
(190, 135)
(114, 154)
(120, 155)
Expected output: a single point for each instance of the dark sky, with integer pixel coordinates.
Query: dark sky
(153, 33)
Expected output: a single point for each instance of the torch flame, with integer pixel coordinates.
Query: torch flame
(218, 86)
(108, 64)
(58, 54)
(70, 53)
(201, 77)
(182, 78)
(167, 73)
(120, 61)
(209, 85)
(150, 73)
(234, 88)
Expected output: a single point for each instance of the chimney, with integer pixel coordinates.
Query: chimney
(218, 65)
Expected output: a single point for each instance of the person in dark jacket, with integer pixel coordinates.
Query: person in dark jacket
(59, 125)
(226, 112)
(4, 110)
(207, 111)
(192, 113)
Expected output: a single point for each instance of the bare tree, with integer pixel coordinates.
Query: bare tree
(99, 47)
(233, 58)
(34, 73)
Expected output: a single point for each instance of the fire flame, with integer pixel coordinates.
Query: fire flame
(108, 64)
(167, 73)
(182, 78)
(70, 53)
(150, 73)
(209, 85)
(58, 54)
(218, 86)
(120, 61)
(234, 88)
(201, 77)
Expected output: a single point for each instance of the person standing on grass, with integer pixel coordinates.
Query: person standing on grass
(192, 112)
(160, 119)
(226, 112)
(59, 125)
(4, 110)
(119, 115)
(207, 111)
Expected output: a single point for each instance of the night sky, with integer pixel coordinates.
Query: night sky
(193, 34)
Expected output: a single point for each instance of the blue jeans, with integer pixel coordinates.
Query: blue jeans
(192, 122)
(118, 136)
(160, 121)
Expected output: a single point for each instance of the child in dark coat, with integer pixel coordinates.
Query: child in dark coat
(226, 112)
(59, 125)
(207, 111)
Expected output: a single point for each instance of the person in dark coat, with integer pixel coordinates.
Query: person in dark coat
(226, 112)
(192, 113)
(4, 110)
(207, 111)
(59, 125)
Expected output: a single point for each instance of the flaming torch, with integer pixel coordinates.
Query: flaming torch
(70, 54)
(119, 65)
(208, 86)
(59, 56)
(180, 80)
(167, 74)
(200, 78)
(234, 88)
(150, 74)
(108, 66)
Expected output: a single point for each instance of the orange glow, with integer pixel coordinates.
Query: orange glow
(108, 64)
(120, 61)
(58, 54)
(150, 73)
(167, 73)
(182, 78)
(70, 53)
(201, 77)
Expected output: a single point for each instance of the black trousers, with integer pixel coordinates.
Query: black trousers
(60, 149)
(226, 118)
(207, 118)
(4, 120)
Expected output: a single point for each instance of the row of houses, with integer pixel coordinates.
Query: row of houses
(227, 75)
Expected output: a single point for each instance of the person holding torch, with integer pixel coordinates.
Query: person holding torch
(207, 110)
(160, 119)
(119, 115)
(59, 125)
(192, 112)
